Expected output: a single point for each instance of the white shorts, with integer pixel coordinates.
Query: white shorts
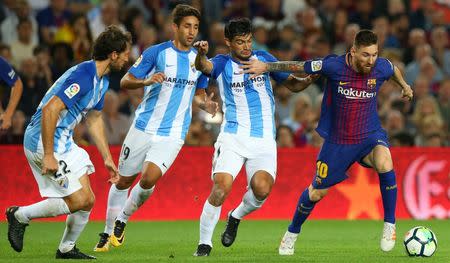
(140, 147)
(72, 165)
(232, 151)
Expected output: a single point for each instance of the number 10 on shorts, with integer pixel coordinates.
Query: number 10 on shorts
(322, 169)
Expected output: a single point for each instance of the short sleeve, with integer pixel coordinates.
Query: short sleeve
(75, 87)
(202, 82)
(219, 63)
(319, 66)
(267, 57)
(7, 74)
(145, 63)
(99, 105)
(386, 67)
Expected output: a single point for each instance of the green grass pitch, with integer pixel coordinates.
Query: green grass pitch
(257, 241)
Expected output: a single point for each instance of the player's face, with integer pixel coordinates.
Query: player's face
(364, 58)
(118, 60)
(241, 46)
(187, 31)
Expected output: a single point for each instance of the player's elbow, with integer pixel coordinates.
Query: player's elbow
(124, 82)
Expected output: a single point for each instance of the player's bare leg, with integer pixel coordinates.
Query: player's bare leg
(260, 187)
(78, 205)
(211, 212)
(306, 203)
(82, 202)
(139, 194)
(117, 197)
(380, 159)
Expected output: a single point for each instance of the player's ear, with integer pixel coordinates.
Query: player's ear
(353, 50)
(228, 42)
(114, 55)
(174, 27)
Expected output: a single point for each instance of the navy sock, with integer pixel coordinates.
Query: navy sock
(302, 211)
(388, 189)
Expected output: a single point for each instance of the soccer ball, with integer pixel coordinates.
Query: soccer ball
(420, 242)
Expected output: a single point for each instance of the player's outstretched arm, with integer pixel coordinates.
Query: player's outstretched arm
(50, 115)
(407, 92)
(201, 61)
(297, 84)
(257, 67)
(96, 128)
(205, 102)
(16, 93)
(131, 82)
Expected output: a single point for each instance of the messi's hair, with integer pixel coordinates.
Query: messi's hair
(110, 40)
(365, 38)
(238, 27)
(181, 11)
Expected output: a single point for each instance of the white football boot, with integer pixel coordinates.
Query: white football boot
(387, 242)
(287, 244)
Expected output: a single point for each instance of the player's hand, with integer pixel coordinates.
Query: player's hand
(211, 106)
(155, 78)
(5, 121)
(49, 165)
(254, 67)
(112, 170)
(202, 47)
(407, 92)
(308, 80)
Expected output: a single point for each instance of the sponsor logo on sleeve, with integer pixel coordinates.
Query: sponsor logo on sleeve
(316, 65)
(11, 74)
(72, 90)
(138, 61)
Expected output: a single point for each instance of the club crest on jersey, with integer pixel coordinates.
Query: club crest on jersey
(193, 67)
(316, 65)
(72, 90)
(138, 61)
(371, 83)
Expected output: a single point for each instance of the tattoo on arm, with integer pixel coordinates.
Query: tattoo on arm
(286, 66)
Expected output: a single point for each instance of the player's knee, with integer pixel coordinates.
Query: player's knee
(150, 176)
(124, 182)
(89, 202)
(384, 165)
(316, 195)
(219, 193)
(262, 190)
(147, 182)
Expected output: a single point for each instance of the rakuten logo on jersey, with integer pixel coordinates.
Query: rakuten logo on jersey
(356, 94)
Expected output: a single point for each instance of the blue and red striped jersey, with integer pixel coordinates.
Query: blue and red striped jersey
(349, 106)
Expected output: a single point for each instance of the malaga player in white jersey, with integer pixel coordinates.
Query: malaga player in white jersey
(248, 130)
(60, 167)
(170, 80)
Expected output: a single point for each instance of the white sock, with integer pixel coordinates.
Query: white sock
(249, 204)
(116, 202)
(137, 197)
(75, 224)
(50, 207)
(208, 221)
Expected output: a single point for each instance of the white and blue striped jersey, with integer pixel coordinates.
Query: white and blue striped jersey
(81, 90)
(248, 104)
(166, 107)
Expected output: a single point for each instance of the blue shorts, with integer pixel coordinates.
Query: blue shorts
(335, 159)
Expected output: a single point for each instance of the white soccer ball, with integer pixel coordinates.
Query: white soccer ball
(420, 242)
